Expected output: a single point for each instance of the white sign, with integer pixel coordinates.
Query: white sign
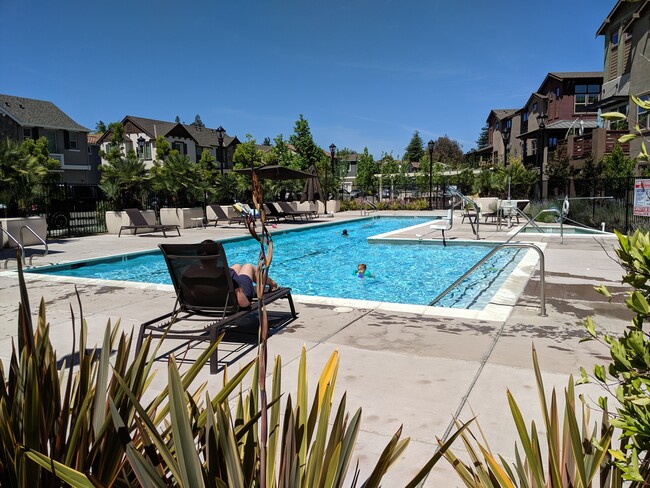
(642, 197)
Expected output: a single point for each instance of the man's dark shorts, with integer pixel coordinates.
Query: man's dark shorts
(244, 282)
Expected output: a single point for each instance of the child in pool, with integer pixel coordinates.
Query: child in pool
(362, 271)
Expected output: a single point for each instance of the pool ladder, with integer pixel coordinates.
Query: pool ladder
(542, 298)
(368, 205)
(21, 246)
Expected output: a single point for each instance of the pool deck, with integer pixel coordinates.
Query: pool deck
(401, 366)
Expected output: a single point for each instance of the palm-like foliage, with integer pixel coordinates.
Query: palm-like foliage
(575, 454)
(123, 178)
(176, 175)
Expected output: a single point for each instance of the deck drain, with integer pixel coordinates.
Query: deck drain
(343, 309)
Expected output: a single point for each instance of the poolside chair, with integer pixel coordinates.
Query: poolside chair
(138, 222)
(220, 214)
(206, 304)
(275, 212)
(288, 210)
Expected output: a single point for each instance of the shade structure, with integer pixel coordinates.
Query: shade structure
(312, 191)
(275, 172)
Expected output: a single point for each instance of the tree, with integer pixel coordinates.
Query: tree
(415, 150)
(307, 152)
(484, 137)
(559, 170)
(123, 178)
(280, 154)
(366, 170)
(177, 175)
(267, 141)
(100, 127)
(177, 119)
(163, 147)
(617, 170)
(448, 152)
(24, 171)
(197, 121)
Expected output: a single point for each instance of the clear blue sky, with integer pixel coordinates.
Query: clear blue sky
(364, 73)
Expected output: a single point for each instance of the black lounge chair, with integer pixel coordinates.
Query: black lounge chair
(206, 304)
(288, 211)
(310, 214)
(275, 212)
(138, 222)
(221, 215)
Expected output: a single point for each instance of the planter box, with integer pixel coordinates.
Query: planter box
(115, 220)
(180, 216)
(13, 226)
(332, 206)
(306, 206)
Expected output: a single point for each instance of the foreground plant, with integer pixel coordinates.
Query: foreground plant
(574, 454)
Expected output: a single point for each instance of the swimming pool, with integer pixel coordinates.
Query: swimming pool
(567, 230)
(320, 261)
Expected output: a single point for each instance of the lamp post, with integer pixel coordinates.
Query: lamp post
(505, 134)
(332, 154)
(431, 145)
(541, 123)
(220, 132)
(141, 142)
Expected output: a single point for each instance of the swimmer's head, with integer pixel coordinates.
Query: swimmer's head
(345, 232)
(361, 268)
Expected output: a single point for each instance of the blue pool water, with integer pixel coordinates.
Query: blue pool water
(322, 262)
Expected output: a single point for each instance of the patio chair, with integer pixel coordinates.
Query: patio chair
(220, 214)
(138, 222)
(206, 304)
(288, 210)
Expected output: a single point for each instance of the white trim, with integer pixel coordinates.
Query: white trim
(78, 167)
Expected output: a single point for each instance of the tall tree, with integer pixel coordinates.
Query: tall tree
(197, 121)
(280, 153)
(366, 170)
(415, 149)
(267, 141)
(100, 127)
(483, 138)
(448, 152)
(307, 152)
(177, 119)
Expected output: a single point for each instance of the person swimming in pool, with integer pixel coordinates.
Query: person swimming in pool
(362, 271)
(345, 233)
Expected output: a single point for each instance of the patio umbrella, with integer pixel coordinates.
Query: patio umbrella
(275, 172)
(312, 190)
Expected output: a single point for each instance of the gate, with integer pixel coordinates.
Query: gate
(74, 210)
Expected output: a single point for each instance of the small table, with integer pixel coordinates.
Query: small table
(196, 223)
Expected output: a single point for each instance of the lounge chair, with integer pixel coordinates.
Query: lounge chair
(288, 210)
(206, 304)
(220, 214)
(274, 212)
(138, 222)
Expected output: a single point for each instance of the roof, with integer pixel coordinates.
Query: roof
(28, 112)
(563, 125)
(206, 137)
(615, 11)
(503, 113)
(93, 138)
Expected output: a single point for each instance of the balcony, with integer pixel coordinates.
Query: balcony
(597, 143)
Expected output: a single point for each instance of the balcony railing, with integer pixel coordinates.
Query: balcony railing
(598, 143)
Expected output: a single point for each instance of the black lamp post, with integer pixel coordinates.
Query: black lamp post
(431, 145)
(141, 142)
(505, 134)
(541, 122)
(220, 132)
(326, 189)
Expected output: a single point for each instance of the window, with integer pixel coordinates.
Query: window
(643, 114)
(507, 124)
(535, 107)
(181, 147)
(147, 150)
(552, 143)
(73, 141)
(27, 133)
(619, 124)
(585, 95)
(614, 39)
(52, 146)
(557, 92)
(533, 147)
(496, 125)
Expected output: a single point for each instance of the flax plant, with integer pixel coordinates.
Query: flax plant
(575, 454)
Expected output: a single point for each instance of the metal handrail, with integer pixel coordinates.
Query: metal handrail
(368, 204)
(542, 297)
(22, 249)
(532, 222)
(476, 206)
(37, 237)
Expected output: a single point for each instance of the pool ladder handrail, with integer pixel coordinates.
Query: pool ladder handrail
(542, 297)
(20, 244)
(468, 200)
(365, 211)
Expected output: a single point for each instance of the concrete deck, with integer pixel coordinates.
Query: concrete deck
(412, 369)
